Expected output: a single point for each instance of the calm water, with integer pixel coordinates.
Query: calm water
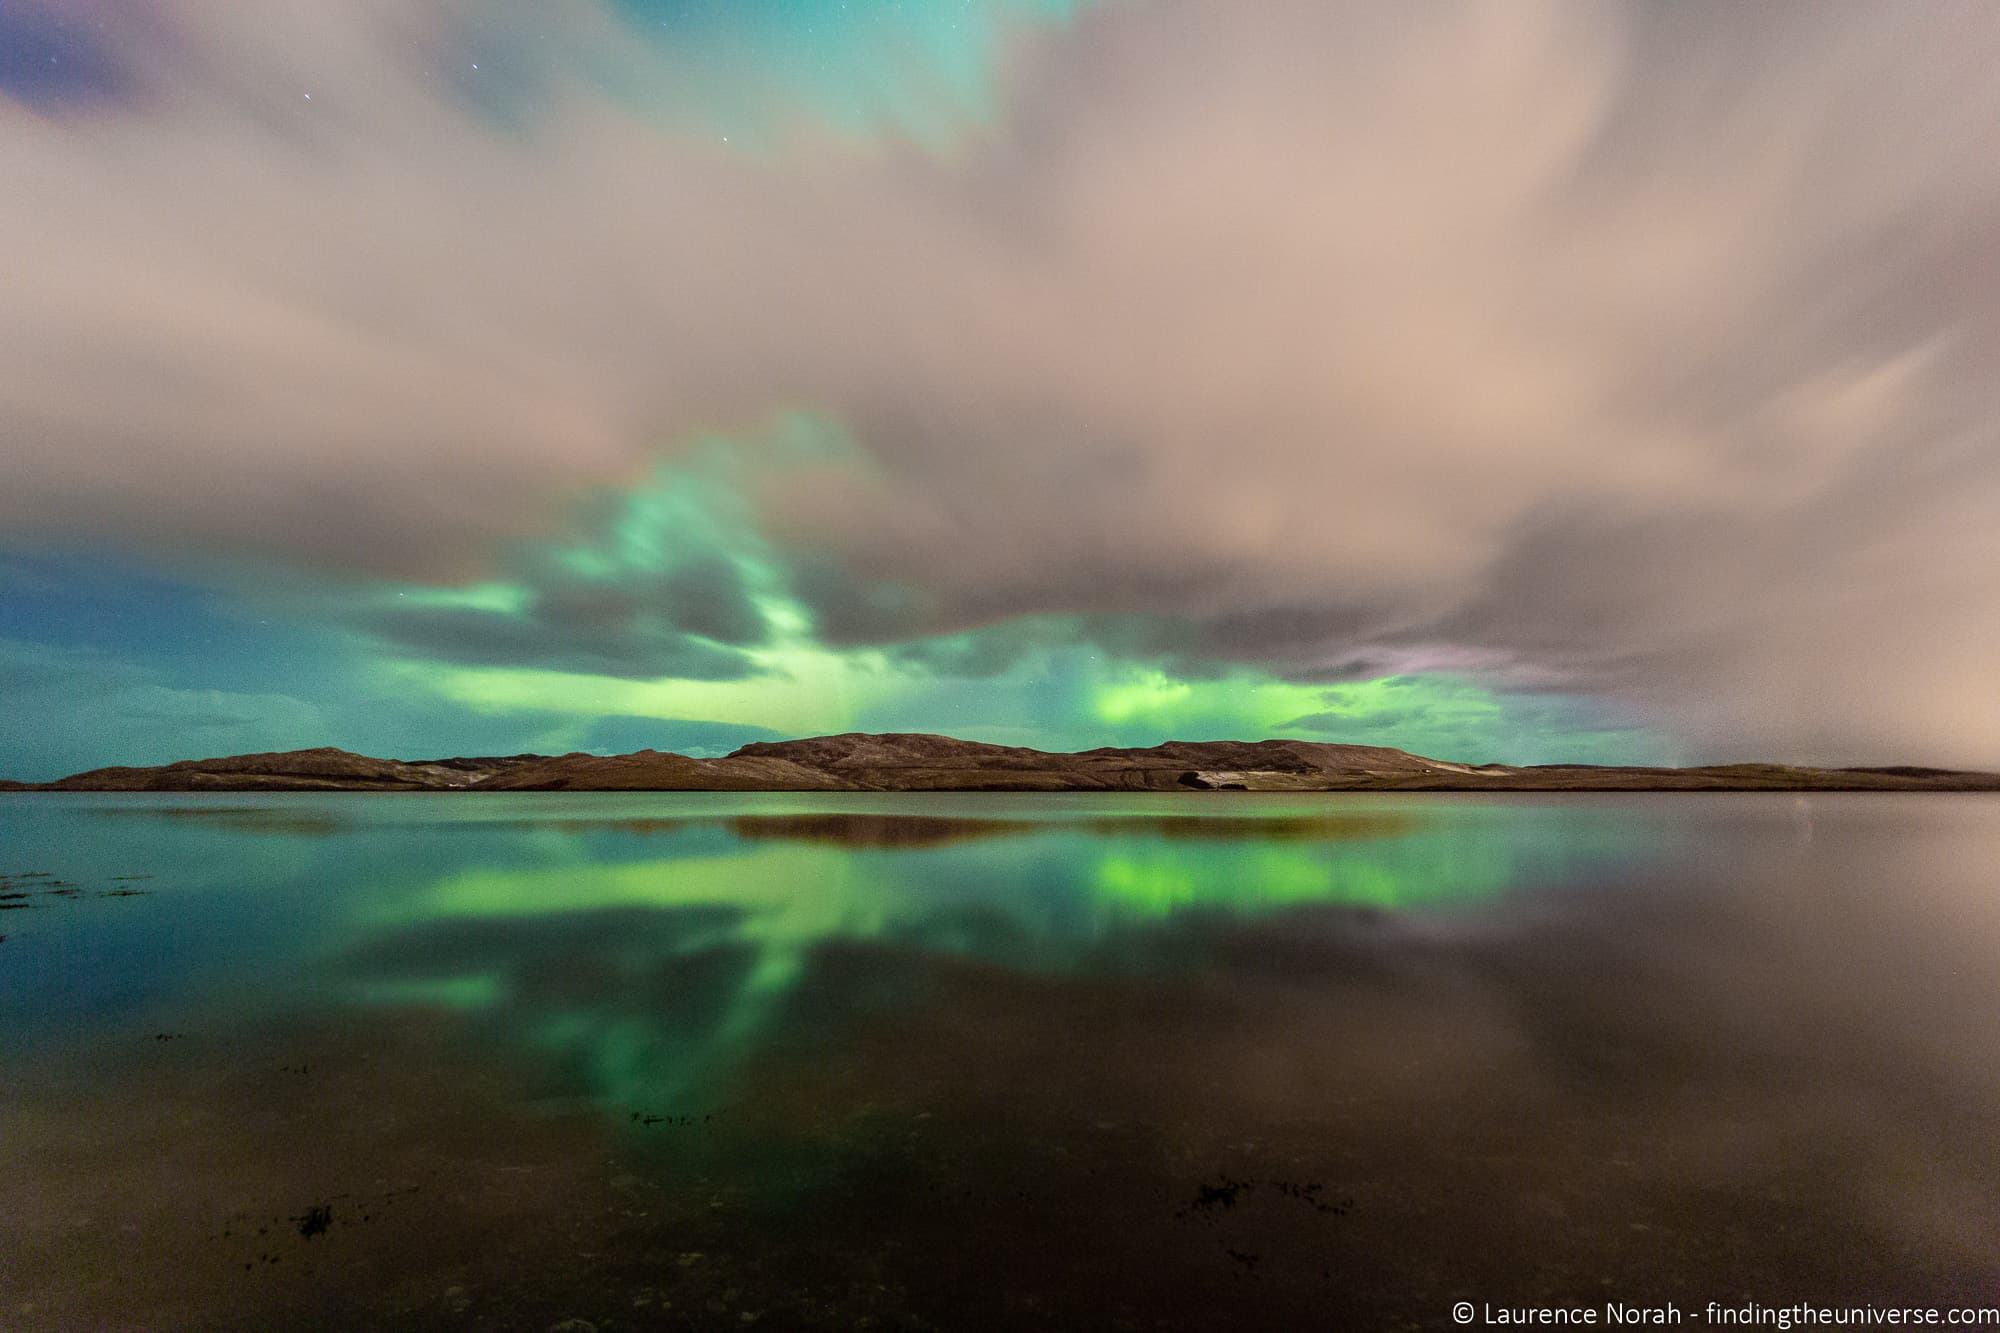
(724, 1061)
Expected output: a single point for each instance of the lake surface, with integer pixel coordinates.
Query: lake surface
(726, 1061)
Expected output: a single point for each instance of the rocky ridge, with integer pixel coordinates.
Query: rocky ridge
(858, 761)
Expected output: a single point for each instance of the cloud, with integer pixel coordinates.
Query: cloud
(70, 709)
(1453, 717)
(1635, 349)
(594, 631)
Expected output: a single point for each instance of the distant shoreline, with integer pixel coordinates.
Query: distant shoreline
(906, 762)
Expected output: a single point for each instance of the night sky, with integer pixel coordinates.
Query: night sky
(1605, 382)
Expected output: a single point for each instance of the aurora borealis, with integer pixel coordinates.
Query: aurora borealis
(1505, 382)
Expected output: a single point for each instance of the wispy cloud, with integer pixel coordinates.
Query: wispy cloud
(1644, 350)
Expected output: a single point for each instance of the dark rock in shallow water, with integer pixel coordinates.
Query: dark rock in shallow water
(315, 1220)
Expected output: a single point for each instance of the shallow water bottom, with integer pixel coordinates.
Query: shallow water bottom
(673, 1062)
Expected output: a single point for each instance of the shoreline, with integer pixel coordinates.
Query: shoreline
(900, 762)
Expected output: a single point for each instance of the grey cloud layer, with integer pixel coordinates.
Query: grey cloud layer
(1643, 350)
(687, 621)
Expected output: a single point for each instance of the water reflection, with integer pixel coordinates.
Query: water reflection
(1047, 1061)
(275, 892)
(649, 978)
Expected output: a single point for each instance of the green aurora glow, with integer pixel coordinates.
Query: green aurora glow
(1040, 681)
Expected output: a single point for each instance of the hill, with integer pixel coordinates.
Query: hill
(858, 761)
